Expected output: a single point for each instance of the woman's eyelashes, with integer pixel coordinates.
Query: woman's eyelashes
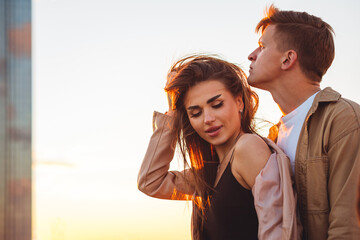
(218, 105)
(194, 115)
(198, 113)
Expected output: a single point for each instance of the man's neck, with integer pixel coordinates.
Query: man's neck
(290, 97)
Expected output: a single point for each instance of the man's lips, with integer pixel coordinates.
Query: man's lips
(213, 131)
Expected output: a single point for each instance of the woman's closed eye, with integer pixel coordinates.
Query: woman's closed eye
(195, 114)
(218, 105)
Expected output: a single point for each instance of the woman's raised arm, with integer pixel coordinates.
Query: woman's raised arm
(154, 177)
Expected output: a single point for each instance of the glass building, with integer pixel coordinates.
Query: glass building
(15, 119)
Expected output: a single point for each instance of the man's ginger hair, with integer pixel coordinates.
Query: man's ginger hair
(309, 36)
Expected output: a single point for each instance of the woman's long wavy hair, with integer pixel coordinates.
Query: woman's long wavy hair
(185, 74)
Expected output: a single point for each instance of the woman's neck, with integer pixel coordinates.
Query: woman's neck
(223, 150)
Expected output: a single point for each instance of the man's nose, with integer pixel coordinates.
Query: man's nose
(252, 56)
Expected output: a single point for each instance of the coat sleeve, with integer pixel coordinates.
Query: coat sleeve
(344, 169)
(275, 199)
(154, 177)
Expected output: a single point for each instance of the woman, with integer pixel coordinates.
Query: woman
(211, 118)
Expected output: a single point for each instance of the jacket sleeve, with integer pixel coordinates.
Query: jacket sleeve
(275, 199)
(154, 177)
(344, 169)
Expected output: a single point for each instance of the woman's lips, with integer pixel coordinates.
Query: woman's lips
(213, 131)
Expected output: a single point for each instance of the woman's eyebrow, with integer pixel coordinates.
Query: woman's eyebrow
(207, 102)
(193, 107)
(213, 99)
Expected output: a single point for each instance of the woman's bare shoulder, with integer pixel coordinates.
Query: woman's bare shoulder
(250, 141)
(250, 156)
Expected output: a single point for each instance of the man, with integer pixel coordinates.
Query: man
(319, 130)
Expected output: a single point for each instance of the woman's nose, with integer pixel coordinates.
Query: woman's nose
(208, 117)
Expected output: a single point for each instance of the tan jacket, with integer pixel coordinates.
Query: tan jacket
(327, 166)
(274, 198)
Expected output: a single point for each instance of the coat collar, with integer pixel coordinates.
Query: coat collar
(327, 95)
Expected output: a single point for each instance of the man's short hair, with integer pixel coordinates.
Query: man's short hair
(309, 36)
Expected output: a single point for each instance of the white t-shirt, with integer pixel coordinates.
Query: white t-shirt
(290, 127)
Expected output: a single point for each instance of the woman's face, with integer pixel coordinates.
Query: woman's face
(214, 112)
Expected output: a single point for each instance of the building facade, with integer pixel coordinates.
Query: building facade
(15, 119)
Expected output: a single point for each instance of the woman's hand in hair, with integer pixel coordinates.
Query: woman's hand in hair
(170, 111)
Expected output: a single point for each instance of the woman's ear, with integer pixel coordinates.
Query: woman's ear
(239, 103)
(288, 59)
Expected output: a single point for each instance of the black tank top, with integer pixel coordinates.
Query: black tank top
(231, 214)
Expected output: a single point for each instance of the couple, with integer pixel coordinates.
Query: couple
(243, 186)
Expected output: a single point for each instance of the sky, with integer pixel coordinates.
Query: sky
(99, 70)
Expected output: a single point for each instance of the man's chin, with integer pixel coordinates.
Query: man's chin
(251, 81)
(255, 84)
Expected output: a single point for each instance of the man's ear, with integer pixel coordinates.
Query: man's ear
(288, 60)
(240, 103)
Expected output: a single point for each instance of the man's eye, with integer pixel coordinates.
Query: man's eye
(218, 105)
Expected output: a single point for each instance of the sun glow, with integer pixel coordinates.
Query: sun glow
(180, 196)
(98, 75)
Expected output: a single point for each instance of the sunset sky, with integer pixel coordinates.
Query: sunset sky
(99, 69)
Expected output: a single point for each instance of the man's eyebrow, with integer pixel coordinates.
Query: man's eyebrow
(207, 102)
(213, 99)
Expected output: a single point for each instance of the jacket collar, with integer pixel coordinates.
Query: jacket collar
(325, 95)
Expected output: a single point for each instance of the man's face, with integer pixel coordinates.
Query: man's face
(266, 61)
